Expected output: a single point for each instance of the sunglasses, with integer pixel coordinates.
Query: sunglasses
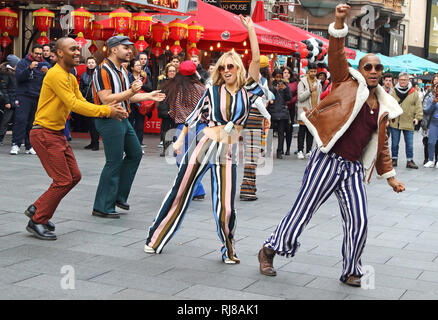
(369, 67)
(228, 66)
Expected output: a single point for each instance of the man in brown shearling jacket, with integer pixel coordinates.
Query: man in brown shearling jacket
(349, 127)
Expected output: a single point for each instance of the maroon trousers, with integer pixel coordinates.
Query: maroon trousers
(60, 164)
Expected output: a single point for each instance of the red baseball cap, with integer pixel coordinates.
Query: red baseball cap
(187, 68)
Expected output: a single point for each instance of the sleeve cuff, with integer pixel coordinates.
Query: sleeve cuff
(337, 33)
(387, 175)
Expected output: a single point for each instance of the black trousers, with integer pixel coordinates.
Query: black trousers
(93, 132)
(304, 133)
(283, 128)
(426, 152)
(137, 122)
(24, 117)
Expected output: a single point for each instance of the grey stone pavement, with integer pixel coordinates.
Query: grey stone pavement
(109, 263)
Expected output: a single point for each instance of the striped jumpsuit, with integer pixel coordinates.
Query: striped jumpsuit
(218, 107)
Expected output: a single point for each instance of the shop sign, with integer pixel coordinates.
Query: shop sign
(237, 7)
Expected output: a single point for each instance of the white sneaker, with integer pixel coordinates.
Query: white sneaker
(14, 150)
(429, 164)
(308, 155)
(30, 151)
(148, 249)
(436, 166)
(300, 155)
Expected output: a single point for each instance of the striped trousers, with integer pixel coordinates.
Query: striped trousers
(201, 156)
(252, 140)
(326, 174)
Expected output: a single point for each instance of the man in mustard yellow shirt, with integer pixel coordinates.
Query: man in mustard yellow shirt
(59, 95)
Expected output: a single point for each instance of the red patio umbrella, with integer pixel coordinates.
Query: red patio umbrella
(298, 34)
(224, 27)
(259, 12)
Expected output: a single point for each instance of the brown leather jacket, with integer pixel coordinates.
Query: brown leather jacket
(331, 118)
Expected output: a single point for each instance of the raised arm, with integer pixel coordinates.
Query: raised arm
(338, 30)
(254, 67)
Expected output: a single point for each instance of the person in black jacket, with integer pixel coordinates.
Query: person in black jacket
(167, 122)
(203, 74)
(30, 73)
(135, 117)
(278, 109)
(8, 84)
(86, 88)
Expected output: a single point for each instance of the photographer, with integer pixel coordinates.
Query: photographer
(30, 73)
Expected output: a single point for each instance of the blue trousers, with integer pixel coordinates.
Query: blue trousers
(432, 136)
(199, 188)
(24, 117)
(409, 143)
(326, 174)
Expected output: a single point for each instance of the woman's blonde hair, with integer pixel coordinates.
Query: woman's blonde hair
(166, 71)
(241, 72)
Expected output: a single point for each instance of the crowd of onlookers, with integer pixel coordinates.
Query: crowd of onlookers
(290, 95)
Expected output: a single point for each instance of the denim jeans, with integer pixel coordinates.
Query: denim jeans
(409, 143)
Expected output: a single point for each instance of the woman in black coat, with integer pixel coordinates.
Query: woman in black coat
(279, 111)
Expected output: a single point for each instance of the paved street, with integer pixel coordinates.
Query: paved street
(108, 261)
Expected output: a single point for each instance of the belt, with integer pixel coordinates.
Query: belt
(37, 126)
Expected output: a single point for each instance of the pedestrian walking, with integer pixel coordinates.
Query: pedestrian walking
(425, 122)
(349, 126)
(432, 133)
(59, 95)
(8, 87)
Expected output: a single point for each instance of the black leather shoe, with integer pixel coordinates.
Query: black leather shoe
(113, 215)
(30, 212)
(279, 156)
(287, 153)
(201, 197)
(40, 231)
(88, 146)
(95, 147)
(122, 205)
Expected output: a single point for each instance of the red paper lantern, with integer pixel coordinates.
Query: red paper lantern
(178, 31)
(43, 20)
(8, 21)
(304, 63)
(81, 18)
(194, 34)
(121, 21)
(93, 32)
(159, 34)
(142, 24)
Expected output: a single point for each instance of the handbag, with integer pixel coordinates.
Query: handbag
(163, 110)
(145, 107)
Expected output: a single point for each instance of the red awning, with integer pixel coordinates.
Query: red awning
(225, 27)
(298, 34)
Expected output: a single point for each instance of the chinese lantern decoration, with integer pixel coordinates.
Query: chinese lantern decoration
(159, 33)
(8, 21)
(43, 20)
(142, 26)
(93, 32)
(81, 18)
(194, 34)
(121, 21)
(178, 31)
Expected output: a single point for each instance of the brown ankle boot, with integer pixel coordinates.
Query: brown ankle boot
(266, 259)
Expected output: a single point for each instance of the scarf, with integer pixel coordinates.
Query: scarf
(402, 93)
(314, 93)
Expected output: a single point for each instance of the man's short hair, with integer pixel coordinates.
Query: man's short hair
(37, 46)
(387, 75)
(89, 58)
(175, 57)
(312, 66)
(403, 74)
